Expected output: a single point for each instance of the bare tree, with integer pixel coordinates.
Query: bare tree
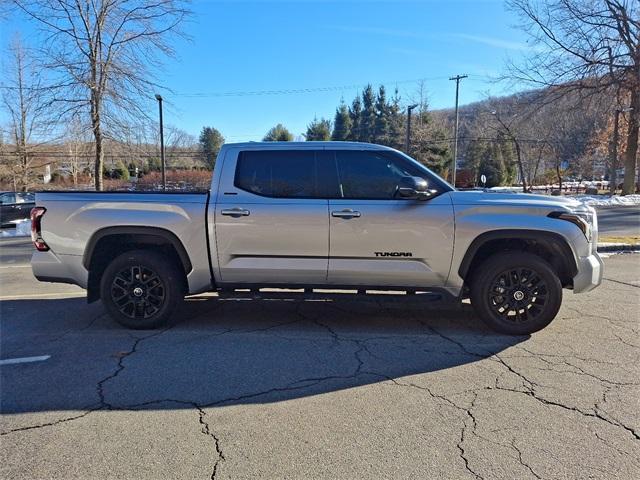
(509, 126)
(588, 46)
(23, 100)
(78, 146)
(103, 56)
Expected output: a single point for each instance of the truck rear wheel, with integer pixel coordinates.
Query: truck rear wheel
(141, 289)
(516, 293)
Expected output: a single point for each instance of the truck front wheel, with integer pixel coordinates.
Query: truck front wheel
(516, 293)
(141, 289)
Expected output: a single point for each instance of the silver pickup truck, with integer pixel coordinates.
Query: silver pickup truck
(319, 215)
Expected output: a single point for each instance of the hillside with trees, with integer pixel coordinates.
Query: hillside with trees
(538, 137)
(586, 49)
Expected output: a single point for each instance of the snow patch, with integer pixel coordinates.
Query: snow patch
(609, 200)
(593, 200)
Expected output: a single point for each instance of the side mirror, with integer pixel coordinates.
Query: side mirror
(414, 187)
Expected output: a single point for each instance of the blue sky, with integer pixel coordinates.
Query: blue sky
(242, 46)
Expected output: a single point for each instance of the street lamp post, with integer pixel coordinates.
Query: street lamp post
(164, 178)
(408, 139)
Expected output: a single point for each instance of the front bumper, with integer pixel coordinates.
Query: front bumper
(590, 265)
(590, 271)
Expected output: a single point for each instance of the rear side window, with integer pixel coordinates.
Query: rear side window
(370, 174)
(283, 173)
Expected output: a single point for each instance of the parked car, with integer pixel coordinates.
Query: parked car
(319, 214)
(15, 206)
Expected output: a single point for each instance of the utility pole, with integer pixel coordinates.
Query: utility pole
(408, 139)
(164, 177)
(457, 78)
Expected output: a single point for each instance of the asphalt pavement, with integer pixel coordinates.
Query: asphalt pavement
(316, 387)
(619, 221)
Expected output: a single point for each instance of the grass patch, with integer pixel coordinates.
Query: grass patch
(619, 239)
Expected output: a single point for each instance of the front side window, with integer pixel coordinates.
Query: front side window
(371, 175)
(25, 197)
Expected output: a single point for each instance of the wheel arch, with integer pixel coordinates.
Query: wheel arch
(550, 246)
(108, 242)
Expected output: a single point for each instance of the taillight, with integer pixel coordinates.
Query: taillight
(36, 236)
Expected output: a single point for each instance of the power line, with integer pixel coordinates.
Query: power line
(244, 93)
(294, 91)
(185, 152)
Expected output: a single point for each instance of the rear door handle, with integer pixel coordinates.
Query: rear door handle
(346, 213)
(235, 212)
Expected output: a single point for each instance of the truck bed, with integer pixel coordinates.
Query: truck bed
(74, 219)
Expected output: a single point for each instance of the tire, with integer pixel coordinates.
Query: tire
(141, 289)
(516, 293)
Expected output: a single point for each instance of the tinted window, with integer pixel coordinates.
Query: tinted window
(371, 175)
(8, 198)
(285, 173)
(25, 197)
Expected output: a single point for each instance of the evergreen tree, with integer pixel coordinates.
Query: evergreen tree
(132, 169)
(430, 146)
(341, 124)
(318, 130)
(508, 154)
(473, 157)
(120, 171)
(381, 129)
(491, 165)
(396, 123)
(368, 117)
(494, 159)
(278, 134)
(210, 142)
(355, 112)
(154, 165)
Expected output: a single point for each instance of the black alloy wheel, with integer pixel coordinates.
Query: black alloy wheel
(516, 293)
(138, 292)
(142, 289)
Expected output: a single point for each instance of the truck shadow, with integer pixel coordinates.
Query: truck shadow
(233, 351)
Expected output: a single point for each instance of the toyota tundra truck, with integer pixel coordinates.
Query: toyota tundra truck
(319, 215)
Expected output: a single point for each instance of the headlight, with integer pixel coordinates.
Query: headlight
(583, 220)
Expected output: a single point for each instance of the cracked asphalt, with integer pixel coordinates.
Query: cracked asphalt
(319, 387)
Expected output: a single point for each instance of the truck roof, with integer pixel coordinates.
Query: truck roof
(304, 145)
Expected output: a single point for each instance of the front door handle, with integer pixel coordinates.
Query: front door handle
(346, 213)
(235, 212)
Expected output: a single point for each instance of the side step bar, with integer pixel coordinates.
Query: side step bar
(328, 293)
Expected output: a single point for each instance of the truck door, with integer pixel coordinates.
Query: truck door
(271, 217)
(379, 239)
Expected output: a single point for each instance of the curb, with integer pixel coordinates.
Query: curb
(618, 247)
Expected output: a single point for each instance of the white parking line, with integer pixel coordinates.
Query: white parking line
(16, 266)
(13, 361)
(44, 295)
